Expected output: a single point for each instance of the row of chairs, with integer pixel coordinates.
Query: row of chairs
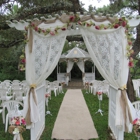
(97, 85)
(12, 109)
(13, 104)
(55, 86)
(15, 90)
(136, 84)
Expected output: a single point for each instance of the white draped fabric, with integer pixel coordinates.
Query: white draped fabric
(69, 68)
(46, 51)
(107, 49)
(81, 66)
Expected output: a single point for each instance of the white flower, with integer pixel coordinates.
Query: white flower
(16, 131)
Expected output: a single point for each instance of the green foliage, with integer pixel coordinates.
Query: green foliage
(100, 122)
(135, 71)
(9, 59)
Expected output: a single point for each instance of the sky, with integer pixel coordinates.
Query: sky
(94, 3)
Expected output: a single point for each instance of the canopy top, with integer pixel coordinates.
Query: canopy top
(75, 53)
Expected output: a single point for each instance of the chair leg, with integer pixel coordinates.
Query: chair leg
(55, 92)
(3, 116)
(6, 124)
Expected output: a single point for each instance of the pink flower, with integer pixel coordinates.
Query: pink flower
(52, 32)
(116, 26)
(99, 93)
(36, 28)
(80, 23)
(17, 122)
(32, 24)
(129, 43)
(124, 23)
(26, 28)
(47, 95)
(72, 18)
(63, 29)
(134, 122)
(120, 19)
(97, 27)
(131, 59)
(130, 64)
(23, 121)
(43, 31)
(23, 60)
(88, 25)
(131, 51)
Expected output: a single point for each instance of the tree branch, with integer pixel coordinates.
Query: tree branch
(11, 44)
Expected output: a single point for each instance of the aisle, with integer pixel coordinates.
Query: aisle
(74, 121)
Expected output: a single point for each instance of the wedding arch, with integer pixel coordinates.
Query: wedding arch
(78, 56)
(109, 46)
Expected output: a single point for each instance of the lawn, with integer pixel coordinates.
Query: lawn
(100, 122)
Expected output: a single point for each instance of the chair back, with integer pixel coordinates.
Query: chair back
(18, 94)
(3, 94)
(16, 82)
(12, 107)
(2, 85)
(136, 105)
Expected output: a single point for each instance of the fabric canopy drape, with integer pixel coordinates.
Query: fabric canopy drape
(41, 61)
(81, 66)
(107, 49)
(69, 68)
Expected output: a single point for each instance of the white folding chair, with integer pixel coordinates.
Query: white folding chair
(53, 88)
(56, 87)
(12, 107)
(4, 95)
(16, 82)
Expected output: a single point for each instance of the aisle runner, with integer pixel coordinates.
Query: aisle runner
(74, 121)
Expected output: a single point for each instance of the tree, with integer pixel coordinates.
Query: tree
(127, 8)
(33, 9)
(134, 5)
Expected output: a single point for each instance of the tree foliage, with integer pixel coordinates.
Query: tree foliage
(12, 41)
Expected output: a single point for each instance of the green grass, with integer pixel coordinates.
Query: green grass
(100, 122)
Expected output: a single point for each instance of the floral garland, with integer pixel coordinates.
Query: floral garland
(86, 85)
(17, 127)
(47, 95)
(99, 93)
(46, 31)
(18, 121)
(22, 61)
(75, 60)
(121, 22)
(136, 126)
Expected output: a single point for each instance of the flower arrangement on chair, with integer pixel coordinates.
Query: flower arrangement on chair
(99, 93)
(136, 126)
(75, 60)
(47, 95)
(22, 61)
(62, 84)
(17, 127)
(86, 86)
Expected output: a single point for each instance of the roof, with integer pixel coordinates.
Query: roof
(81, 20)
(75, 53)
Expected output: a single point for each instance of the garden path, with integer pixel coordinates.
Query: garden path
(74, 121)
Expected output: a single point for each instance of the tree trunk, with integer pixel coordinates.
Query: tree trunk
(136, 48)
(130, 89)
